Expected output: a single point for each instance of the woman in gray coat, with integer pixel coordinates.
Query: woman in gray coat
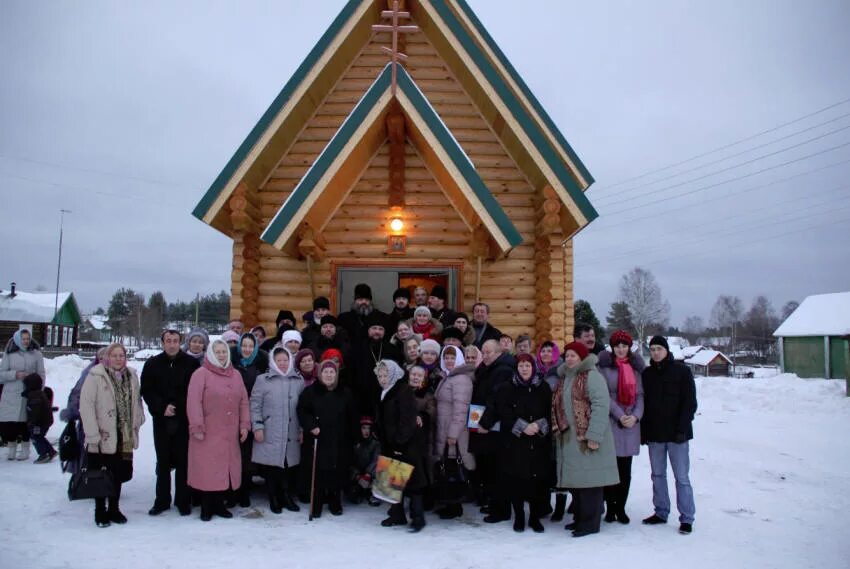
(22, 358)
(277, 433)
(584, 445)
(622, 370)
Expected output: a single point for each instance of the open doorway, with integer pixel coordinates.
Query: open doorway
(385, 279)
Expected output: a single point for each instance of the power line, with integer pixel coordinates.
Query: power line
(725, 146)
(714, 185)
(691, 229)
(701, 166)
(735, 166)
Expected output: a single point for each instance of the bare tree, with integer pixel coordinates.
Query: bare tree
(789, 307)
(693, 327)
(759, 323)
(726, 315)
(641, 293)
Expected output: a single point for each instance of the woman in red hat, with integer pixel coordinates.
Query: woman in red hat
(584, 445)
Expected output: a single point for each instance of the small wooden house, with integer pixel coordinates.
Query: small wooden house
(813, 340)
(37, 312)
(709, 363)
(442, 169)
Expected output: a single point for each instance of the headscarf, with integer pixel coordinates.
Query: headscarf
(273, 364)
(230, 336)
(544, 368)
(201, 333)
(300, 355)
(109, 349)
(395, 374)
(479, 357)
(534, 379)
(212, 359)
(16, 338)
(245, 362)
(459, 361)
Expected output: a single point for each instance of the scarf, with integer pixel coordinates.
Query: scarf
(210, 355)
(425, 330)
(626, 383)
(559, 414)
(581, 408)
(395, 374)
(310, 378)
(124, 410)
(250, 359)
(273, 364)
(543, 368)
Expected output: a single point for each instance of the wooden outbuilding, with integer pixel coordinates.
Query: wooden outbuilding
(442, 169)
(709, 363)
(51, 322)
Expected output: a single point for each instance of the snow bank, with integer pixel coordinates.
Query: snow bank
(770, 466)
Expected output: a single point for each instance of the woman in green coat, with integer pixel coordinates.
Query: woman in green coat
(584, 444)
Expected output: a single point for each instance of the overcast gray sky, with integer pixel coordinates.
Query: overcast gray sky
(125, 112)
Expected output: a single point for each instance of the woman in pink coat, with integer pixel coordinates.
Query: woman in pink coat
(219, 419)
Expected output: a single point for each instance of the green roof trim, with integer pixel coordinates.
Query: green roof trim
(550, 124)
(282, 98)
(458, 157)
(69, 313)
(528, 125)
(354, 121)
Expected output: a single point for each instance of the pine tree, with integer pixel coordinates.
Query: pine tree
(619, 318)
(584, 313)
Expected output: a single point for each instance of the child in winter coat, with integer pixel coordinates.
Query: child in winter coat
(366, 452)
(39, 416)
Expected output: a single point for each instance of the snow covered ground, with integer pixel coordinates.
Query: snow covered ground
(770, 467)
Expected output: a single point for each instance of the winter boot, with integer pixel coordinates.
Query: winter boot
(396, 516)
(12, 449)
(610, 511)
(317, 505)
(560, 506)
(288, 501)
(335, 503)
(114, 512)
(206, 507)
(417, 513)
(274, 501)
(622, 517)
(24, 451)
(101, 517)
(519, 516)
(219, 507)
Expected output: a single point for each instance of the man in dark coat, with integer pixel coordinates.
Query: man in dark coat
(354, 321)
(285, 321)
(439, 308)
(313, 329)
(401, 310)
(164, 385)
(331, 336)
(496, 369)
(670, 403)
(367, 352)
(481, 326)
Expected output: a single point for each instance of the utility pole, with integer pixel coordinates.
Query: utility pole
(197, 307)
(62, 213)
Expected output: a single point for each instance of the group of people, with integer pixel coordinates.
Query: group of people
(309, 411)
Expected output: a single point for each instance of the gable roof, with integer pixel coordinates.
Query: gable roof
(38, 308)
(361, 135)
(705, 357)
(819, 315)
(520, 116)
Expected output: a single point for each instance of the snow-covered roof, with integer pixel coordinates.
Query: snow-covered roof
(98, 321)
(705, 357)
(35, 307)
(689, 351)
(672, 341)
(819, 315)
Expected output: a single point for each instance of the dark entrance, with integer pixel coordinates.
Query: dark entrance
(385, 279)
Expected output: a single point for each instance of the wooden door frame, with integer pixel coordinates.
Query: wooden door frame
(337, 264)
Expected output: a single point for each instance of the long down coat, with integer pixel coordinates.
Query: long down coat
(453, 395)
(586, 469)
(217, 406)
(274, 410)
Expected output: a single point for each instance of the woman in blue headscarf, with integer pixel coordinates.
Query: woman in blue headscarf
(250, 361)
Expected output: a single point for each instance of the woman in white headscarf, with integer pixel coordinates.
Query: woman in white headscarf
(453, 395)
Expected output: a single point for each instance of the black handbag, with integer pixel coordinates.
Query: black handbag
(451, 477)
(69, 443)
(87, 484)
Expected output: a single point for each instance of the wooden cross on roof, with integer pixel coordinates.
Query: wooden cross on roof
(395, 28)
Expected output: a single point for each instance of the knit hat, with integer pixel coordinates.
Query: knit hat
(429, 345)
(452, 332)
(463, 315)
(422, 309)
(659, 341)
(375, 318)
(366, 420)
(331, 353)
(330, 319)
(578, 348)
(401, 292)
(321, 302)
(439, 292)
(326, 364)
(362, 291)
(230, 336)
(285, 315)
(289, 336)
(620, 337)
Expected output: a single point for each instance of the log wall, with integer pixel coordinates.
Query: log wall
(435, 230)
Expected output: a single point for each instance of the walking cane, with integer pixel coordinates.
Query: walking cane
(313, 479)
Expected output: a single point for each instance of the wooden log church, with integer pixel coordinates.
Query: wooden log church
(442, 168)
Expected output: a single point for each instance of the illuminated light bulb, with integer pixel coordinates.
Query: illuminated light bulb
(396, 224)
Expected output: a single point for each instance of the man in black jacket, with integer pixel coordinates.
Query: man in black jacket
(311, 332)
(164, 385)
(401, 310)
(354, 321)
(367, 352)
(496, 369)
(670, 402)
(481, 326)
(439, 309)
